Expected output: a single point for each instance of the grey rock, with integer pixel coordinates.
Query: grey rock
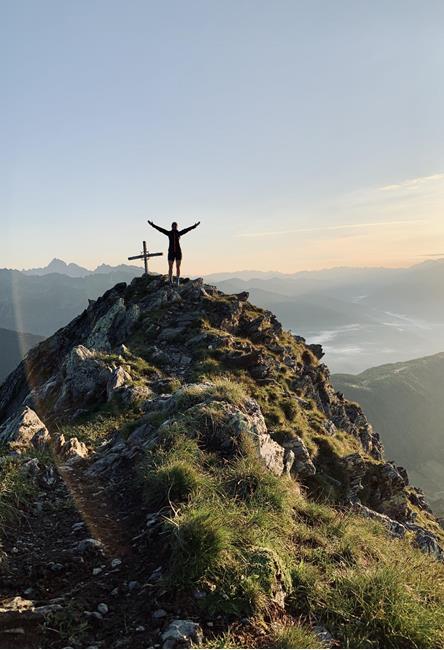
(302, 465)
(394, 527)
(182, 632)
(24, 430)
(159, 613)
(135, 395)
(88, 545)
(99, 337)
(139, 435)
(73, 450)
(429, 544)
(324, 636)
(83, 380)
(103, 608)
(118, 379)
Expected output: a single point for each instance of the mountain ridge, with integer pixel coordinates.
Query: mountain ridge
(188, 473)
(74, 270)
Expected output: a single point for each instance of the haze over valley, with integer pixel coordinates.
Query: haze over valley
(362, 317)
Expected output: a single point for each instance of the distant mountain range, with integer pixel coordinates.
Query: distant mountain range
(75, 271)
(13, 347)
(404, 401)
(43, 303)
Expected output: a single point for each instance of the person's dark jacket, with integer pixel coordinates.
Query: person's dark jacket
(174, 236)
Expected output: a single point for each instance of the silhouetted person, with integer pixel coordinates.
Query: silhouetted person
(174, 250)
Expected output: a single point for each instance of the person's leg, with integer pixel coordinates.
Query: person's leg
(178, 261)
(170, 270)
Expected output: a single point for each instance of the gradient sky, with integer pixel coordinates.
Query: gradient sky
(303, 134)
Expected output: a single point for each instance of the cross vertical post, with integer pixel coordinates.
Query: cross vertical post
(145, 256)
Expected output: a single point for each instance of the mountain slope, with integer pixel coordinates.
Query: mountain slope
(363, 316)
(13, 347)
(404, 401)
(178, 469)
(43, 304)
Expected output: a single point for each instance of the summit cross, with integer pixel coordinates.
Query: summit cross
(145, 256)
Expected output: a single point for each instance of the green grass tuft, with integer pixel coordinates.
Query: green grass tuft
(295, 636)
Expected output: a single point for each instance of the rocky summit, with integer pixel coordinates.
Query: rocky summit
(176, 470)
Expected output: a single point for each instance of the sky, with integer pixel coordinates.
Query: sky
(303, 134)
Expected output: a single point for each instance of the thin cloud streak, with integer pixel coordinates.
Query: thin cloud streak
(344, 226)
(412, 183)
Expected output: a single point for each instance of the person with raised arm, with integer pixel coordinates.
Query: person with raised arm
(174, 249)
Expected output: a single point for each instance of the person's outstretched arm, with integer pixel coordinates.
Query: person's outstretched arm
(165, 232)
(185, 230)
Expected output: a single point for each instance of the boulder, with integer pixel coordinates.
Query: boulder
(73, 450)
(429, 544)
(252, 424)
(182, 633)
(118, 379)
(99, 337)
(84, 380)
(302, 465)
(24, 430)
(136, 395)
(70, 450)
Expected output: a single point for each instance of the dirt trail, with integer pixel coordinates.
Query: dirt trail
(96, 510)
(44, 567)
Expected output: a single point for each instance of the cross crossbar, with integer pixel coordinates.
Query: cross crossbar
(145, 255)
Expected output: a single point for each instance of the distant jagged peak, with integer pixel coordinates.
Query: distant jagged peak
(73, 270)
(57, 265)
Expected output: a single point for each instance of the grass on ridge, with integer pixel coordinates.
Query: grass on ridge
(246, 537)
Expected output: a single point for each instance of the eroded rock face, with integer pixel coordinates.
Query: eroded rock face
(83, 380)
(394, 527)
(119, 378)
(302, 465)
(70, 450)
(24, 430)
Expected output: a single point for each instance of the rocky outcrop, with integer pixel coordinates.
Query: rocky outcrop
(70, 450)
(302, 463)
(24, 430)
(82, 381)
(119, 378)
